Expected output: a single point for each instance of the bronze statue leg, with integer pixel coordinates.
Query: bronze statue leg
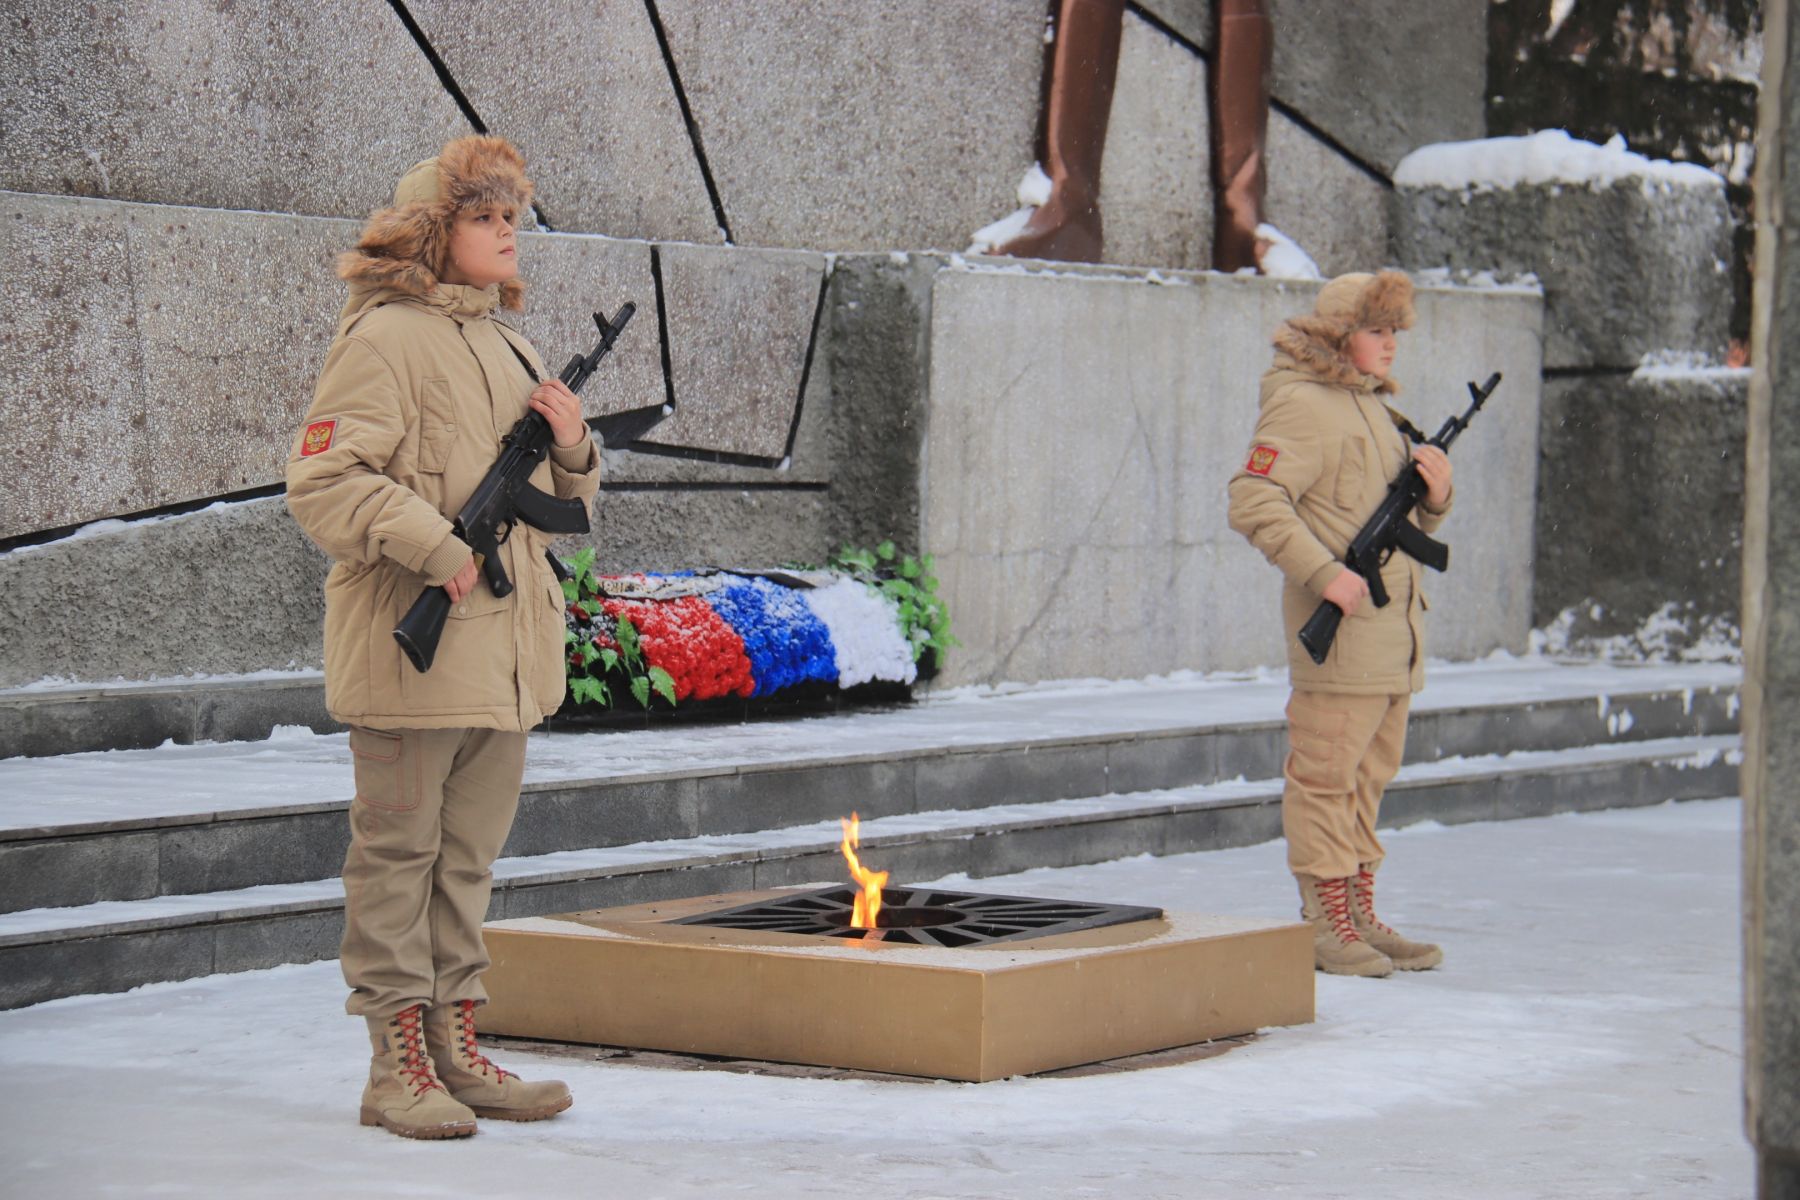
(1083, 67)
(1243, 46)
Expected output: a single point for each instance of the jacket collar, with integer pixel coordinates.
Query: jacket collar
(1314, 347)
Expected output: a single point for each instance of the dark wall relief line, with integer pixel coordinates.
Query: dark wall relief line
(442, 70)
(41, 536)
(687, 115)
(669, 485)
(1276, 104)
(812, 346)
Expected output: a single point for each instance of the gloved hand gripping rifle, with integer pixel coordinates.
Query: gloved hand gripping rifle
(1388, 530)
(504, 496)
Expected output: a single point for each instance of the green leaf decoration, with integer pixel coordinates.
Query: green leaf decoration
(571, 593)
(640, 690)
(663, 682)
(587, 690)
(627, 635)
(885, 551)
(610, 657)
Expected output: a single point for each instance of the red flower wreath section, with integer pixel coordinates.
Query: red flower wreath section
(685, 637)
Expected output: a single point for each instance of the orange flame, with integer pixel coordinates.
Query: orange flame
(868, 904)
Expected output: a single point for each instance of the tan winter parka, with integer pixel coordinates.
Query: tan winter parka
(1325, 449)
(417, 391)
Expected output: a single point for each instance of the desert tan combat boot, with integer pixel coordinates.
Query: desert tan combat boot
(1406, 954)
(1337, 948)
(404, 1095)
(476, 1081)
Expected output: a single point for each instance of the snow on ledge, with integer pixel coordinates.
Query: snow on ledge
(1684, 364)
(1548, 157)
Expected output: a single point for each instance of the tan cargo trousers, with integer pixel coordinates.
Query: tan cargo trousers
(1343, 751)
(432, 809)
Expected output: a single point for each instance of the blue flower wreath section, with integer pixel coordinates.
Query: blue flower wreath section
(784, 640)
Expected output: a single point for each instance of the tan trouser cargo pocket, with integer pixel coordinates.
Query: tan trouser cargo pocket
(387, 776)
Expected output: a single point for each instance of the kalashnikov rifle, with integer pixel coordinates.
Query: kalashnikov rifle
(504, 496)
(1389, 529)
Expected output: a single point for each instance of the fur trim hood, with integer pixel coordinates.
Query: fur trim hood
(402, 247)
(1316, 343)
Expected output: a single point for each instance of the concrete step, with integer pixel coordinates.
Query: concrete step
(77, 718)
(113, 945)
(83, 829)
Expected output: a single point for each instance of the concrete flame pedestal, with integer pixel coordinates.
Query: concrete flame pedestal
(629, 977)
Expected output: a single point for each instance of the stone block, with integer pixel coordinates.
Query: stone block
(1147, 763)
(932, 858)
(740, 333)
(750, 800)
(1190, 19)
(668, 529)
(1659, 563)
(1223, 826)
(1335, 210)
(61, 872)
(73, 407)
(584, 93)
(982, 778)
(561, 817)
(270, 941)
(186, 102)
(567, 280)
(1383, 77)
(1631, 268)
(225, 855)
(1009, 851)
(878, 310)
(1074, 495)
(534, 900)
(35, 725)
(31, 973)
(1252, 751)
(1380, 95)
(250, 713)
(861, 124)
(258, 605)
(235, 313)
(1155, 187)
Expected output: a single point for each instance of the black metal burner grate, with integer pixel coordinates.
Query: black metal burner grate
(924, 916)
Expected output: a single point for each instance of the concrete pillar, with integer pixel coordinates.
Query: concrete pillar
(1771, 775)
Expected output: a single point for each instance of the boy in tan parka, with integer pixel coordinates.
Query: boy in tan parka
(419, 387)
(1325, 449)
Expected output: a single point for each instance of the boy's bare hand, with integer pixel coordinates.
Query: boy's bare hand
(1347, 591)
(1434, 469)
(562, 408)
(463, 582)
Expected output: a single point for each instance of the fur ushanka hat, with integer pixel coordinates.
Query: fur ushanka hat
(1318, 342)
(404, 246)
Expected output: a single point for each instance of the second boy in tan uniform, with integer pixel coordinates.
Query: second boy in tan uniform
(1325, 449)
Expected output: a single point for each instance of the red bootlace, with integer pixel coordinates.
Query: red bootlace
(465, 1033)
(1334, 896)
(413, 1059)
(1365, 900)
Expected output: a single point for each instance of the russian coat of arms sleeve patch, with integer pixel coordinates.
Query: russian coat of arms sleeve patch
(1262, 460)
(318, 438)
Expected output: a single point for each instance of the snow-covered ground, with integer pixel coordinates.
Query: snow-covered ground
(1583, 1039)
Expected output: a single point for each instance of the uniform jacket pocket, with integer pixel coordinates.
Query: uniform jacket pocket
(437, 425)
(1353, 470)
